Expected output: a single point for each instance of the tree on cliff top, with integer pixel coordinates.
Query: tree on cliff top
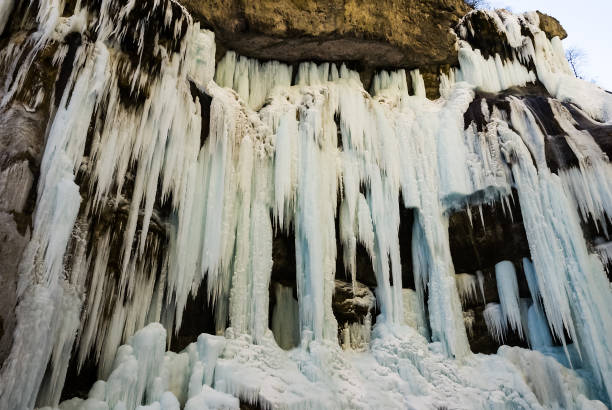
(576, 57)
(478, 4)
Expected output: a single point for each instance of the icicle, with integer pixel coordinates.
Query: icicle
(507, 288)
(539, 335)
(481, 216)
(495, 321)
(480, 278)
(468, 210)
(561, 260)
(273, 159)
(418, 85)
(466, 285)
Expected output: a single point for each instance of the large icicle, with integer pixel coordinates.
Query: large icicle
(572, 283)
(507, 288)
(41, 283)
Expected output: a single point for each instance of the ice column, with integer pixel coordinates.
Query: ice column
(507, 288)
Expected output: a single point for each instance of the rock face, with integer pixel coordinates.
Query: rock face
(368, 35)
(386, 33)
(365, 34)
(551, 26)
(22, 138)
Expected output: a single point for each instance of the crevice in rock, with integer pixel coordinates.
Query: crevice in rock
(198, 318)
(474, 248)
(283, 318)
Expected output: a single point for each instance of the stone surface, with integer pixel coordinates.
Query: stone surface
(490, 41)
(382, 34)
(551, 26)
(23, 123)
(21, 142)
(352, 304)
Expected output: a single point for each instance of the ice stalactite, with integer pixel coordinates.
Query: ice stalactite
(138, 204)
(253, 81)
(481, 280)
(492, 74)
(590, 183)
(495, 321)
(315, 212)
(507, 288)
(539, 335)
(467, 286)
(92, 98)
(527, 47)
(42, 286)
(572, 282)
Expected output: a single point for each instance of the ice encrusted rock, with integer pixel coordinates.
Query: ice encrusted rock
(295, 156)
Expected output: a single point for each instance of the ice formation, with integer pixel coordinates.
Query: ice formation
(468, 285)
(273, 161)
(507, 288)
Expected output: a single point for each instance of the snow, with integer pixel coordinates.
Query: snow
(209, 399)
(296, 156)
(400, 370)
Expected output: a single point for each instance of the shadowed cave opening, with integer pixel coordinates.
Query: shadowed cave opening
(491, 235)
(198, 318)
(283, 313)
(283, 297)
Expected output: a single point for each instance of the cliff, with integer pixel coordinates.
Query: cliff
(296, 204)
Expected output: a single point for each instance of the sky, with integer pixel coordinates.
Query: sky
(588, 26)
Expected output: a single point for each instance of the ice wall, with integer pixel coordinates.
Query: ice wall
(126, 142)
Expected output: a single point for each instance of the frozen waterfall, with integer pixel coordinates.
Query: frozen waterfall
(185, 184)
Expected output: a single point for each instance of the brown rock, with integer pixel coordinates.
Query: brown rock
(551, 26)
(382, 34)
(352, 304)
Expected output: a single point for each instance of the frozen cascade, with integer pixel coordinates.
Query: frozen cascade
(581, 290)
(42, 285)
(548, 57)
(273, 161)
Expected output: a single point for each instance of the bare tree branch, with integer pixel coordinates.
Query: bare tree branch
(576, 57)
(478, 4)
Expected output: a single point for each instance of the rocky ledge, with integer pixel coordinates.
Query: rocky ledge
(371, 34)
(375, 33)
